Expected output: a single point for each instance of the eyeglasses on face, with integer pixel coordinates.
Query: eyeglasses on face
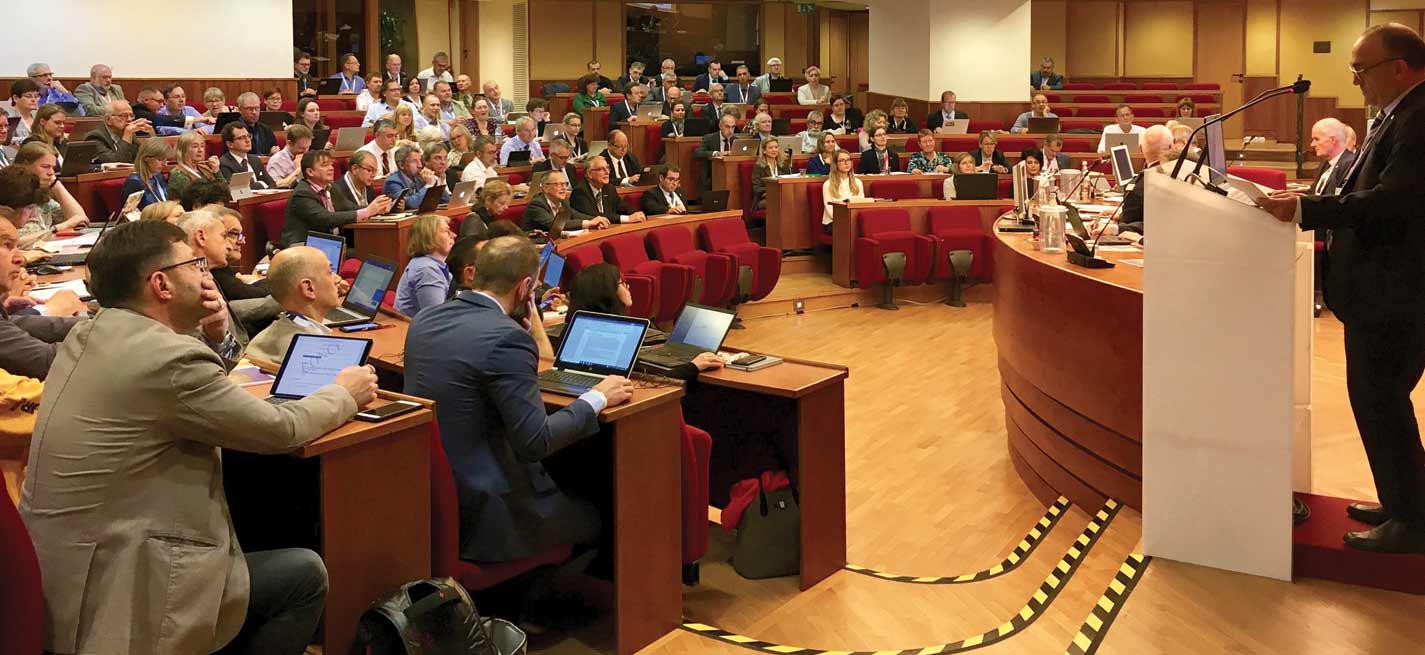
(202, 263)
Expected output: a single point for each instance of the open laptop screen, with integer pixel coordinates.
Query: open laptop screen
(370, 285)
(330, 245)
(602, 344)
(702, 327)
(553, 269)
(313, 361)
(1122, 165)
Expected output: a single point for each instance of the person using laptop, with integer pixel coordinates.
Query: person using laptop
(302, 282)
(988, 159)
(310, 208)
(239, 158)
(59, 211)
(626, 110)
(410, 176)
(477, 357)
(623, 165)
(600, 288)
(426, 280)
(947, 112)
(546, 209)
(1038, 108)
(525, 141)
(596, 196)
(964, 165)
(126, 453)
(1122, 124)
(668, 197)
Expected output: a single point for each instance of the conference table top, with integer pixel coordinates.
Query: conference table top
(1125, 275)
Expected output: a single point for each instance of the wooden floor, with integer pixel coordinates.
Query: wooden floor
(930, 491)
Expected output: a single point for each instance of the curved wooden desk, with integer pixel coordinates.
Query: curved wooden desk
(1070, 344)
(688, 221)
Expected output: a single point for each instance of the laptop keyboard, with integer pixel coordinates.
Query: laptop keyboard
(570, 378)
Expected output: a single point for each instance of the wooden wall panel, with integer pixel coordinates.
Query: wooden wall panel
(1221, 53)
(859, 76)
(1339, 22)
(1092, 41)
(1047, 24)
(561, 40)
(1157, 36)
(1261, 37)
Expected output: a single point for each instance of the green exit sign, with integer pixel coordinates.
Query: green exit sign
(806, 8)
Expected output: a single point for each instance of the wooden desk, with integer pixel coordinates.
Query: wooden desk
(844, 219)
(679, 151)
(1072, 396)
(389, 239)
(789, 216)
(596, 124)
(254, 247)
(724, 176)
(85, 189)
(687, 221)
(638, 142)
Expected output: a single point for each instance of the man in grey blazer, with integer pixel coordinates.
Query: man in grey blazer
(28, 343)
(96, 94)
(116, 137)
(476, 356)
(124, 500)
(303, 284)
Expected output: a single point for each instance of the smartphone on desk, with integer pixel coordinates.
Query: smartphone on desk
(360, 327)
(391, 410)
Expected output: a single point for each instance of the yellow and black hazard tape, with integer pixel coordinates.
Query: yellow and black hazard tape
(1095, 627)
(1033, 608)
(1031, 540)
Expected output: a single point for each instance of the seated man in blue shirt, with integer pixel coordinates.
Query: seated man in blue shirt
(524, 140)
(414, 172)
(1038, 108)
(50, 89)
(477, 356)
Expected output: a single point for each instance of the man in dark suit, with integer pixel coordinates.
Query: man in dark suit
(249, 107)
(239, 157)
(595, 196)
(117, 143)
(1329, 137)
(310, 208)
(714, 76)
(150, 100)
(715, 145)
(624, 167)
(668, 197)
(741, 90)
(545, 208)
(476, 357)
(717, 95)
(393, 71)
(947, 112)
(1376, 286)
(620, 112)
(1045, 77)
(559, 153)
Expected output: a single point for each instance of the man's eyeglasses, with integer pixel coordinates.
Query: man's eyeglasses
(557, 185)
(235, 236)
(1358, 71)
(202, 263)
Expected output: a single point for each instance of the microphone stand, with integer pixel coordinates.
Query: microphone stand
(1299, 86)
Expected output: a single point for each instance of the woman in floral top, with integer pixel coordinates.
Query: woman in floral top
(480, 123)
(928, 160)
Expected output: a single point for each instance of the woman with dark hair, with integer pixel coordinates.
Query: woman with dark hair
(600, 288)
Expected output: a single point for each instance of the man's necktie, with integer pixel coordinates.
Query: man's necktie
(1379, 125)
(382, 159)
(1326, 168)
(326, 199)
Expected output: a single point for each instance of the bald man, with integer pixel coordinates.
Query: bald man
(1156, 143)
(302, 281)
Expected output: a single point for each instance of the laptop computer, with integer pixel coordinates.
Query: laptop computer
(976, 186)
(649, 111)
(553, 131)
(715, 201)
(696, 126)
(957, 126)
(518, 158)
(349, 139)
(364, 299)
(223, 119)
(431, 200)
(464, 193)
(240, 186)
(331, 245)
(320, 138)
(699, 329)
(1193, 122)
(77, 258)
(1112, 140)
(312, 362)
(79, 158)
(593, 347)
(1122, 163)
(329, 86)
(274, 119)
(1043, 125)
(782, 85)
(745, 147)
(552, 268)
(595, 149)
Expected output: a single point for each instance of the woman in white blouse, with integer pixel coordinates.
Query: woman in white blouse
(813, 92)
(840, 186)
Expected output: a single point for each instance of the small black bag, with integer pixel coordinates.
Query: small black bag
(433, 617)
(769, 537)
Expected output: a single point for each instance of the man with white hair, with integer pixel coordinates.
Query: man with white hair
(763, 82)
(1328, 140)
(499, 107)
(50, 89)
(94, 95)
(524, 140)
(1156, 143)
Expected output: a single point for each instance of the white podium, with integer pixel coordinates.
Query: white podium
(1227, 298)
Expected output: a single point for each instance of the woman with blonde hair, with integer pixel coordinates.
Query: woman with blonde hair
(148, 173)
(48, 128)
(168, 210)
(813, 92)
(193, 163)
(215, 102)
(826, 148)
(874, 119)
(840, 186)
(964, 165)
(495, 198)
(405, 119)
(62, 211)
(771, 162)
(426, 279)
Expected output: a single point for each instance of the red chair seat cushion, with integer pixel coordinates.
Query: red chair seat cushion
(22, 603)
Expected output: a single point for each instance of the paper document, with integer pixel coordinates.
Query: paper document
(46, 291)
(1248, 189)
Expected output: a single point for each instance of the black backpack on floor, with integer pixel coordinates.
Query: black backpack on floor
(433, 617)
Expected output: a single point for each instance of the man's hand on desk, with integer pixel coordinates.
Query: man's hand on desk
(596, 223)
(1281, 204)
(64, 303)
(707, 361)
(380, 205)
(360, 382)
(616, 389)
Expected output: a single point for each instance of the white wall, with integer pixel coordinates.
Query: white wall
(981, 50)
(497, 43)
(899, 61)
(150, 38)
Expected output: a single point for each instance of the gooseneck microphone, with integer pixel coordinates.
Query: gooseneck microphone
(1297, 87)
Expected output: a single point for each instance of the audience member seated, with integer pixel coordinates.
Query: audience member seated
(404, 120)
(627, 109)
(741, 90)
(58, 211)
(1039, 108)
(771, 162)
(901, 122)
(715, 145)
(350, 75)
(193, 164)
(304, 285)
(465, 91)
(207, 236)
(481, 124)
(439, 71)
(838, 120)
(7, 152)
(841, 185)
(482, 167)
(166, 413)
(310, 207)
(668, 197)
(813, 92)
(353, 191)
(51, 90)
(116, 137)
(808, 137)
(1123, 124)
(821, 162)
(175, 103)
(233, 286)
(29, 343)
(148, 173)
(48, 129)
(717, 96)
(1186, 108)
(94, 96)
(494, 198)
(309, 115)
(382, 147)
(573, 126)
(375, 86)
(205, 193)
(390, 100)
(632, 77)
(426, 280)
(964, 165)
(451, 108)
(987, 158)
(168, 211)
(411, 176)
(524, 141)
(215, 102)
(874, 119)
(477, 357)
(272, 103)
(302, 71)
(282, 167)
(150, 106)
(624, 166)
(938, 119)
(668, 92)
(596, 196)
(1045, 77)
(392, 72)
(24, 101)
(714, 75)
(239, 157)
(545, 208)
(500, 107)
(673, 128)
(761, 125)
(559, 155)
(588, 94)
(928, 159)
(879, 159)
(264, 142)
(1054, 158)
(430, 116)
(774, 72)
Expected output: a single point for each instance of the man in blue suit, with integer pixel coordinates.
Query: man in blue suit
(1045, 77)
(477, 356)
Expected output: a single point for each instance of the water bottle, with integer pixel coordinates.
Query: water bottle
(1051, 227)
(1085, 186)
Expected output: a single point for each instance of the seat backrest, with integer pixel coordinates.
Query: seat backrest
(744, 176)
(653, 136)
(978, 125)
(1137, 98)
(444, 509)
(1202, 86)
(723, 233)
(1079, 145)
(871, 222)
(814, 209)
(22, 603)
(849, 143)
(1006, 186)
(953, 217)
(1063, 111)
(1081, 124)
(336, 121)
(578, 259)
(335, 104)
(1267, 177)
(270, 217)
(216, 147)
(1078, 86)
(1101, 99)
(1094, 112)
(796, 112)
(1151, 112)
(625, 252)
(894, 189)
(1053, 98)
(1199, 99)
(1010, 144)
(958, 144)
(1120, 86)
(1160, 86)
(669, 242)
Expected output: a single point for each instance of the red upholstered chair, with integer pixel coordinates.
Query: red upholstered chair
(215, 145)
(337, 121)
(1202, 86)
(980, 125)
(388, 299)
(1016, 144)
(1053, 97)
(1062, 111)
(281, 138)
(1079, 86)
(1160, 86)
(697, 454)
(729, 236)
(894, 189)
(814, 213)
(1120, 86)
(653, 134)
(348, 268)
(107, 192)
(716, 272)
(271, 215)
(1006, 188)
(849, 143)
(1151, 112)
(513, 213)
(958, 228)
(22, 601)
(1091, 124)
(959, 144)
(516, 177)
(675, 281)
(643, 288)
(1090, 99)
(289, 105)
(881, 233)
(445, 532)
(1079, 145)
(634, 199)
(1141, 98)
(1268, 177)
(327, 104)
(1094, 112)
(780, 98)
(744, 175)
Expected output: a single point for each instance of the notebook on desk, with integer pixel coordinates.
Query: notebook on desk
(1043, 125)
(594, 347)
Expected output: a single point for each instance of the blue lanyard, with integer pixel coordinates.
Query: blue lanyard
(347, 83)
